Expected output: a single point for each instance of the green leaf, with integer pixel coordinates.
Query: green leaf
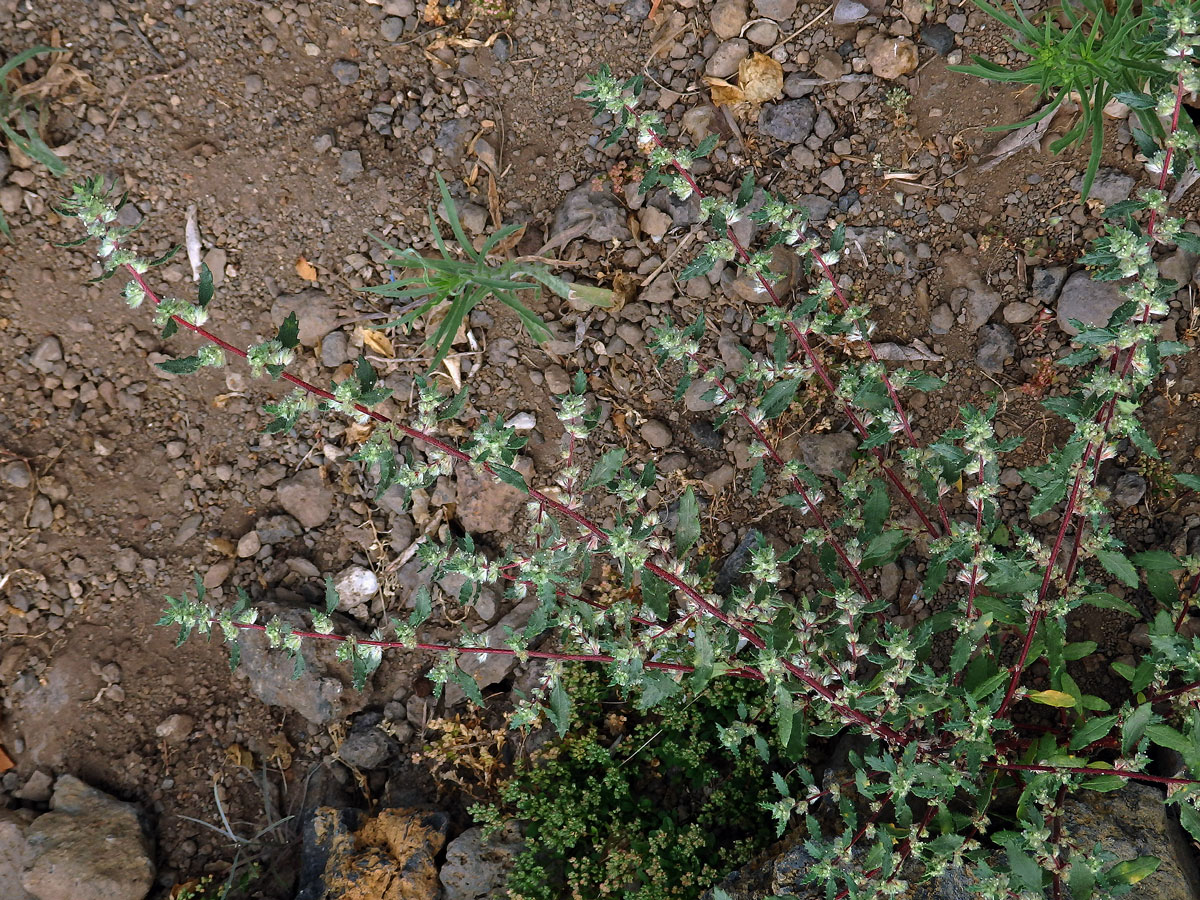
(1103, 600)
(657, 686)
(510, 476)
(1078, 650)
(204, 291)
(1091, 731)
(331, 595)
(1134, 727)
(1156, 561)
(1025, 870)
(656, 594)
(778, 398)
(884, 548)
(1116, 564)
(704, 660)
(605, 469)
(706, 146)
(758, 477)
(1192, 482)
(687, 533)
(468, 685)
(1166, 736)
(875, 511)
(558, 710)
(289, 331)
(1131, 871)
(1188, 242)
(183, 366)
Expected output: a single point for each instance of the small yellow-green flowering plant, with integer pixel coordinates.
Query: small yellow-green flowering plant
(972, 727)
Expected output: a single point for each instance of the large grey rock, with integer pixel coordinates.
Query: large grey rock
(90, 846)
(475, 869)
(1111, 186)
(595, 213)
(1135, 821)
(1091, 302)
(321, 693)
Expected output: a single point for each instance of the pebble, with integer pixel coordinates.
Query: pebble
(42, 514)
(727, 18)
(1110, 186)
(16, 474)
(350, 166)
(47, 353)
(345, 71)
(957, 22)
(1091, 302)
(1047, 282)
(847, 12)
(941, 320)
(728, 56)
(996, 345)
(891, 57)
(790, 121)
(833, 179)
(306, 497)
(355, 585)
(392, 28)
(557, 379)
(335, 349)
(1129, 490)
(216, 575)
(779, 10)
(1019, 312)
(249, 544)
(947, 213)
(654, 221)
(11, 198)
(765, 34)
(656, 434)
(252, 83)
(176, 728)
(938, 38)
(596, 211)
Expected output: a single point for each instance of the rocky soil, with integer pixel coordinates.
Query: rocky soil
(284, 131)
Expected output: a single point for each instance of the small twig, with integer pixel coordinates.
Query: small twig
(687, 238)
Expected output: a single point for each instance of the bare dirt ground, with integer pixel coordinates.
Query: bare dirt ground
(293, 129)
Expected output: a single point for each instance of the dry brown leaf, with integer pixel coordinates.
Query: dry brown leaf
(377, 341)
(6, 761)
(281, 750)
(493, 196)
(509, 242)
(306, 270)
(358, 432)
(723, 93)
(237, 755)
(760, 78)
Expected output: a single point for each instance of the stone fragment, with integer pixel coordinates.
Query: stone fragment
(938, 38)
(727, 57)
(727, 18)
(1129, 490)
(345, 71)
(46, 354)
(90, 846)
(1091, 302)
(492, 668)
(996, 344)
(350, 166)
(14, 855)
(175, 728)
(779, 10)
(595, 215)
(656, 434)
(890, 57)
(790, 121)
(355, 585)
(313, 308)
(476, 869)
(826, 454)
(490, 505)
(1047, 282)
(1110, 186)
(276, 529)
(249, 544)
(1019, 312)
(306, 497)
(847, 12)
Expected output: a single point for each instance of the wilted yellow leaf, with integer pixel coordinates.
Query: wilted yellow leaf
(1052, 698)
(724, 93)
(237, 755)
(377, 341)
(760, 78)
(306, 270)
(281, 750)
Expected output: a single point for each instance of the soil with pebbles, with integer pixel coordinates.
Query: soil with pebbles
(295, 127)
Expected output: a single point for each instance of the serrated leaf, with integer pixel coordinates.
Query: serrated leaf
(558, 710)
(758, 477)
(1091, 731)
(605, 469)
(468, 685)
(1052, 698)
(1103, 600)
(687, 533)
(778, 398)
(185, 365)
(1117, 565)
(656, 594)
(884, 548)
(204, 290)
(289, 331)
(331, 595)
(1134, 727)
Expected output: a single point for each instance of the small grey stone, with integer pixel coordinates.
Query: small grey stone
(37, 789)
(380, 118)
(957, 22)
(790, 121)
(996, 344)
(335, 349)
(1091, 302)
(779, 10)
(253, 83)
(129, 215)
(400, 8)
(833, 179)
(1047, 282)
(980, 304)
(345, 71)
(656, 434)
(41, 516)
(1129, 490)
(366, 748)
(355, 585)
(947, 213)
(1019, 312)
(1111, 186)
(350, 166)
(727, 57)
(249, 544)
(46, 354)
(475, 868)
(597, 212)
(827, 453)
(938, 38)
(175, 729)
(847, 12)
(323, 142)
(16, 474)
(824, 126)
(727, 18)
(764, 34)
(392, 28)
(306, 497)
(276, 529)
(452, 136)
(941, 320)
